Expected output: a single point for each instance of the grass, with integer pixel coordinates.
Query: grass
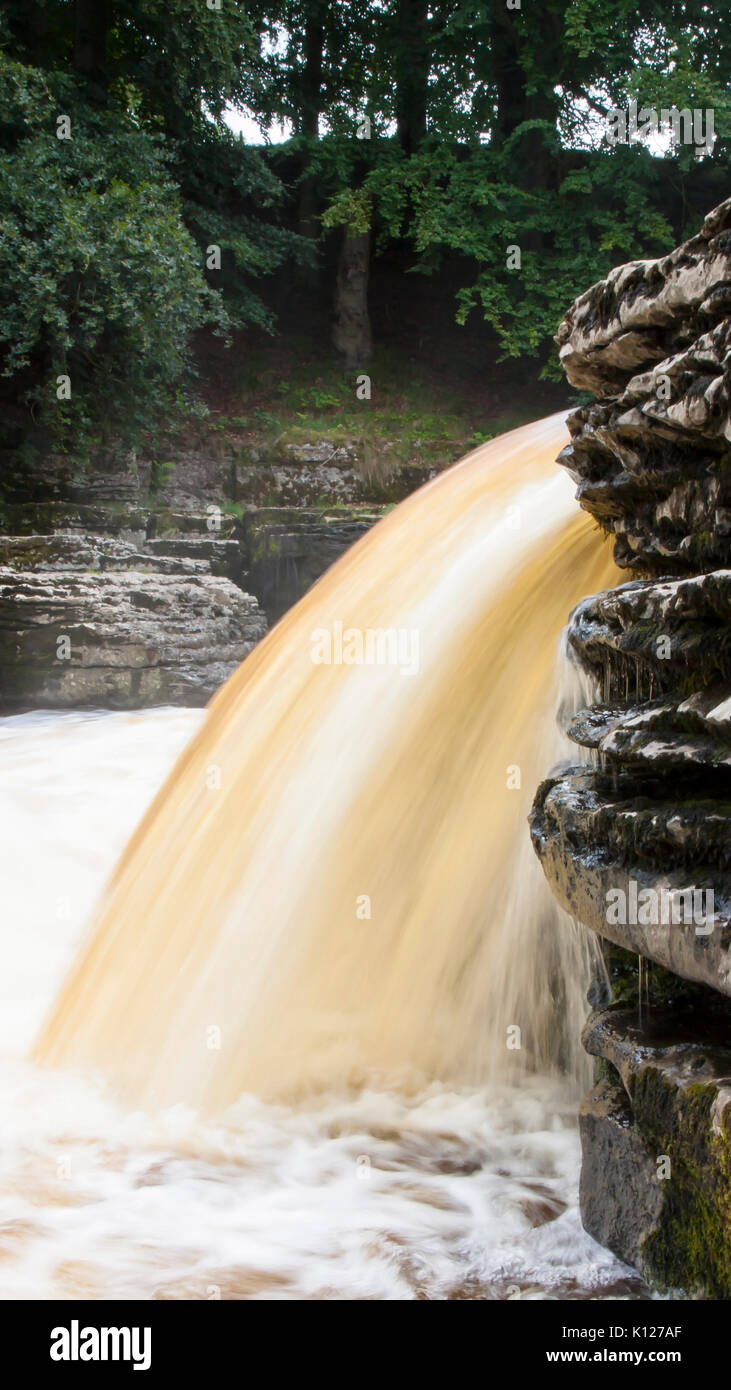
(292, 392)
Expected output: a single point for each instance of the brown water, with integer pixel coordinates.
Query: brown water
(327, 922)
(336, 882)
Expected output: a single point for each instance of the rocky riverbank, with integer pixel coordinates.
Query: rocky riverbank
(636, 844)
(148, 583)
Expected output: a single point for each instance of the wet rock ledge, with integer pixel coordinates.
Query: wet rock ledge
(94, 623)
(222, 538)
(635, 840)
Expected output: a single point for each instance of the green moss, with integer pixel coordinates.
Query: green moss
(692, 1247)
(28, 560)
(264, 546)
(604, 1070)
(660, 987)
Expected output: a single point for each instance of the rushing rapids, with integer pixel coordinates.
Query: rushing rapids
(336, 882)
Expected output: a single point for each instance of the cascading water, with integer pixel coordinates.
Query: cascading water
(337, 876)
(286, 1056)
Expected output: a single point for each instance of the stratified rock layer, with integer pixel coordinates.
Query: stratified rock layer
(271, 515)
(636, 843)
(638, 871)
(648, 311)
(653, 462)
(122, 640)
(656, 1143)
(643, 638)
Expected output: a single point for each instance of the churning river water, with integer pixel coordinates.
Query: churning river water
(399, 1188)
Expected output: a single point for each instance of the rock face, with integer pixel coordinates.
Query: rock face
(288, 549)
(121, 640)
(635, 842)
(268, 515)
(217, 543)
(638, 870)
(271, 516)
(648, 311)
(653, 461)
(656, 1137)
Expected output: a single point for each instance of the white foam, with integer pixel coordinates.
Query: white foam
(399, 1190)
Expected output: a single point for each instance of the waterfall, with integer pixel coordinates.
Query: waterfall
(336, 881)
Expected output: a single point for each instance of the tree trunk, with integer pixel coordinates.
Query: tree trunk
(534, 163)
(352, 329)
(91, 25)
(507, 73)
(309, 113)
(514, 104)
(412, 73)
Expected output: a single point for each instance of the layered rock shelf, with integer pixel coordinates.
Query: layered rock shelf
(661, 1107)
(238, 531)
(635, 839)
(121, 640)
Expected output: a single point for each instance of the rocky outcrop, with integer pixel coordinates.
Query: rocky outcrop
(635, 842)
(638, 870)
(656, 1140)
(648, 311)
(66, 550)
(653, 462)
(121, 639)
(288, 549)
(263, 520)
(271, 515)
(643, 639)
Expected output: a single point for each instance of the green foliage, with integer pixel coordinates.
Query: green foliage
(167, 60)
(347, 77)
(99, 279)
(486, 132)
(448, 200)
(182, 57)
(514, 151)
(104, 234)
(350, 208)
(232, 199)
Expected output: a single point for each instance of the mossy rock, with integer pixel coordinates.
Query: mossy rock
(659, 1121)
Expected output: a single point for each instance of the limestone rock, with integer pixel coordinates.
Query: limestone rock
(71, 550)
(637, 845)
(287, 550)
(667, 737)
(620, 1198)
(656, 1145)
(642, 639)
(648, 310)
(133, 639)
(595, 844)
(652, 458)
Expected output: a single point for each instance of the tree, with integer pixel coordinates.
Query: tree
(512, 173)
(321, 65)
(482, 145)
(100, 282)
(411, 51)
(106, 232)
